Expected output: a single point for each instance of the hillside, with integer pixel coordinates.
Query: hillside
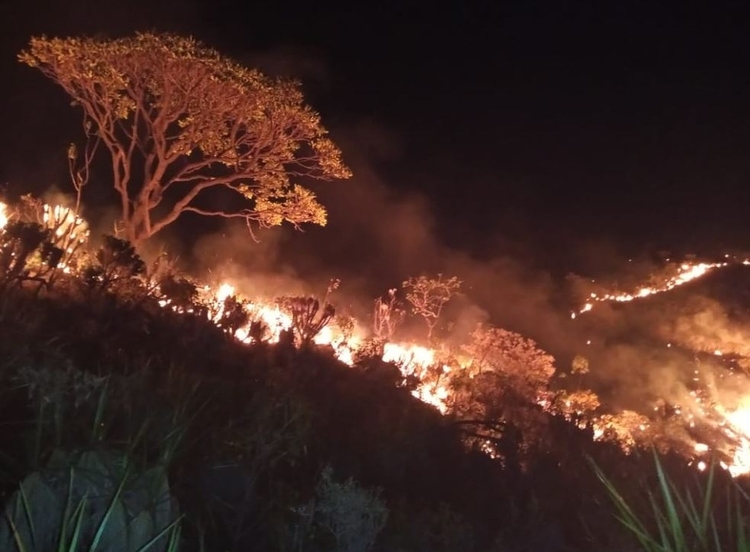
(265, 439)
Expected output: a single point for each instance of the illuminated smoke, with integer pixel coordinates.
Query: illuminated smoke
(426, 366)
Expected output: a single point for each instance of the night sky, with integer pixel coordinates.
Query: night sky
(534, 128)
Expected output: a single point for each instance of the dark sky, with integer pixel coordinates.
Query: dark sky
(544, 123)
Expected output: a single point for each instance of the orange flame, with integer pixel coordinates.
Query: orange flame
(425, 364)
(686, 273)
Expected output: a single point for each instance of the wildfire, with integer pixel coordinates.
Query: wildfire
(427, 367)
(424, 365)
(67, 230)
(414, 359)
(65, 223)
(686, 273)
(733, 423)
(411, 359)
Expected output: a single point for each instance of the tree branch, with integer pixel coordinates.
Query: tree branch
(173, 112)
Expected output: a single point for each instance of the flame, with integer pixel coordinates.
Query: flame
(224, 292)
(432, 372)
(738, 427)
(733, 423)
(423, 363)
(687, 272)
(412, 360)
(68, 230)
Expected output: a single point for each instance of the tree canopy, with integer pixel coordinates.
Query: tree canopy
(180, 121)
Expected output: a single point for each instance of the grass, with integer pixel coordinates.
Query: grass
(701, 519)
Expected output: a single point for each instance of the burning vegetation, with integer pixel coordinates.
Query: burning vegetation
(495, 369)
(234, 405)
(500, 390)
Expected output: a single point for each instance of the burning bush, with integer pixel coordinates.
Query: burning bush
(26, 253)
(308, 317)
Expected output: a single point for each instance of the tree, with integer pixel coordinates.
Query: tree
(521, 365)
(428, 296)
(504, 387)
(387, 315)
(181, 122)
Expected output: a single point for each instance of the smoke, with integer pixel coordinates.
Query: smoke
(256, 268)
(707, 325)
(685, 347)
(381, 232)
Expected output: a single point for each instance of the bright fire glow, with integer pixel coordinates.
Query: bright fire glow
(432, 373)
(686, 273)
(411, 359)
(733, 423)
(738, 426)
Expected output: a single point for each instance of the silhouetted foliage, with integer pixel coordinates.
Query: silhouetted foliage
(233, 315)
(181, 293)
(26, 252)
(308, 318)
(115, 261)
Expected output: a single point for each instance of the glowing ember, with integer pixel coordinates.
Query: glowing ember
(3, 215)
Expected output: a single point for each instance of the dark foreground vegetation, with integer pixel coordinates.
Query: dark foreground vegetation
(133, 427)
